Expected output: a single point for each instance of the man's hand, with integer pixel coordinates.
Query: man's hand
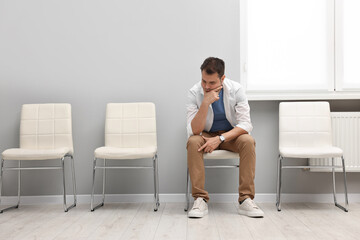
(212, 96)
(210, 144)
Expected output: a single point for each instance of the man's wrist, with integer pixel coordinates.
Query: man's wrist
(206, 103)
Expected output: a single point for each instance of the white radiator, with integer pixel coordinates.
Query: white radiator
(346, 135)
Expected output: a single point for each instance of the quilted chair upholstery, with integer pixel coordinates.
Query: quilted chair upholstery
(130, 133)
(45, 134)
(305, 132)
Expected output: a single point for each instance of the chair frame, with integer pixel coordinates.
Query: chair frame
(104, 167)
(19, 168)
(279, 181)
(188, 192)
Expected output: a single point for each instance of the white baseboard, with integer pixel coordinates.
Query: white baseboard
(114, 198)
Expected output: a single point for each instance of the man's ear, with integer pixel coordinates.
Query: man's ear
(222, 79)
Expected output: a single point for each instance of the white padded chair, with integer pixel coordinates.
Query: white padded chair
(130, 133)
(305, 132)
(45, 134)
(215, 155)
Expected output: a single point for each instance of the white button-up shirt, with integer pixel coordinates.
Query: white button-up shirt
(236, 106)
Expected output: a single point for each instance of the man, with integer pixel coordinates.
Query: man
(218, 117)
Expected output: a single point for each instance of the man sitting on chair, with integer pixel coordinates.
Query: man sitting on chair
(218, 117)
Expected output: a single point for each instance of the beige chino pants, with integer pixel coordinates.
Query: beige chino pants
(244, 145)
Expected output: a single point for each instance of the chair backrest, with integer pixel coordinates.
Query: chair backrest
(304, 124)
(46, 126)
(130, 125)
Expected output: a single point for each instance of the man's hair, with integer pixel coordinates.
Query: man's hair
(213, 65)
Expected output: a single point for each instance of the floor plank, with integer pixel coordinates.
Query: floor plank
(173, 223)
(13, 213)
(53, 225)
(314, 218)
(31, 218)
(202, 228)
(229, 223)
(262, 228)
(145, 223)
(290, 226)
(117, 222)
(85, 226)
(341, 221)
(310, 221)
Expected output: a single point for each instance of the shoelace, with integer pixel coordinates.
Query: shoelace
(197, 203)
(252, 204)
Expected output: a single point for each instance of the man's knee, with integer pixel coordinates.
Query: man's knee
(245, 141)
(195, 141)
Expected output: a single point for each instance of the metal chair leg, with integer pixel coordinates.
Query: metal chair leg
(156, 184)
(157, 181)
(93, 186)
(1, 178)
(74, 180)
(1, 181)
(187, 190)
(66, 209)
(92, 208)
(345, 184)
(64, 188)
(154, 172)
(19, 184)
(334, 191)
(104, 182)
(333, 180)
(278, 188)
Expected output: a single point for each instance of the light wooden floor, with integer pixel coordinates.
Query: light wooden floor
(139, 221)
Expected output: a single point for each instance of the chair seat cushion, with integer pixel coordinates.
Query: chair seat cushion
(34, 154)
(221, 154)
(318, 152)
(125, 153)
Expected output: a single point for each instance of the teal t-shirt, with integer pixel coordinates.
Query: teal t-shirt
(220, 122)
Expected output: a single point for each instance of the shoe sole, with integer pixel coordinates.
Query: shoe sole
(198, 215)
(253, 215)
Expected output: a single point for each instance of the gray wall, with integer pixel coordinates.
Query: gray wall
(89, 53)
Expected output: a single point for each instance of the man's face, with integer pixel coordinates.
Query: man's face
(210, 81)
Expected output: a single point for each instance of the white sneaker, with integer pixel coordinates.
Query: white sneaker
(250, 209)
(199, 209)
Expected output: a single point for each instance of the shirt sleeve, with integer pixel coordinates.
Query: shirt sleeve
(191, 110)
(242, 111)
